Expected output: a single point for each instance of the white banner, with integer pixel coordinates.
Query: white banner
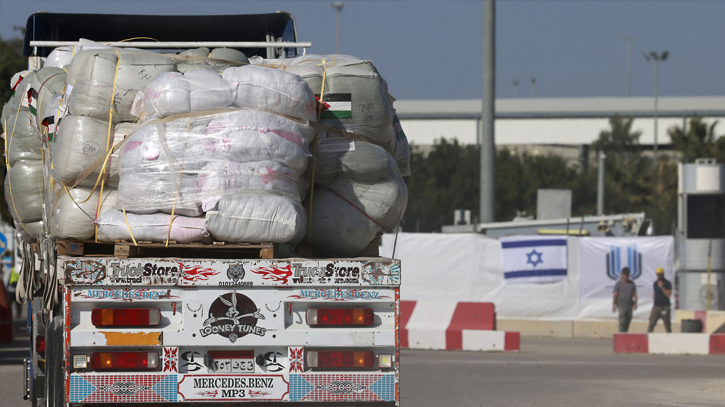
(601, 260)
(533, 259)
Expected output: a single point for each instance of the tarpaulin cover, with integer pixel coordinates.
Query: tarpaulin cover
(469, 267)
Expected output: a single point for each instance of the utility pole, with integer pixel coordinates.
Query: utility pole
(600, 183)
(533, 87)
(629, 66)
(655, 59)
(338, 5)
(488, 111)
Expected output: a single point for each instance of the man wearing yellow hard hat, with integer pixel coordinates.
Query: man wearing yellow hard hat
(661, 308)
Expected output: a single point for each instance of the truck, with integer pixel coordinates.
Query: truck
(142, 322)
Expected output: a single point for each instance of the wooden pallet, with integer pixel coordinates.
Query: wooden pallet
(124, 249)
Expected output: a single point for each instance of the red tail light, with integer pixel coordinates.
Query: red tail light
(124, 360)
(40, 344)
(340, 316)
(126, 316)
(335, 359)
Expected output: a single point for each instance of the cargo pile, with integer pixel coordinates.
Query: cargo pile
(204, 146)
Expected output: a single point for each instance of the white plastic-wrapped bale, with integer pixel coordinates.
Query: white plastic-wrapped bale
(82, 140)
(46, 83)
(362, 162)
(173, 93)
(112, 225)
(227, 54)
(149, 192)
(76, 210)
(24, 191)
(272, 90)
(220, 178)
(257, 218)
(355, 96)
(29, 232)
(22, 142)
(167, 95)
(187, 66)
(248, 135)
(59, 57)
(94, 89)
(347, 215)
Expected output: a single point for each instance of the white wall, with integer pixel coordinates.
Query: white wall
(469, 267)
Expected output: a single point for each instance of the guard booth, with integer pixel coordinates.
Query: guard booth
(700, 235)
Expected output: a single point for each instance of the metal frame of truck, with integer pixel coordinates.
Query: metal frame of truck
(218, 330)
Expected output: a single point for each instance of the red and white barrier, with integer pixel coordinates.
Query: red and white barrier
(670, 344)
(453, 326)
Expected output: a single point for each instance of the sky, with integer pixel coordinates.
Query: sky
(433, 49)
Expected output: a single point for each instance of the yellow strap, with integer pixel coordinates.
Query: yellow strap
(316, 140)
(178, 187)
(108, 135)
(127, 225)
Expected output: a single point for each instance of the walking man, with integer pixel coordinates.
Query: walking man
(625, 299)
(661, 309)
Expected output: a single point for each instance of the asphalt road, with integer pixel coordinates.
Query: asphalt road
(547, 372)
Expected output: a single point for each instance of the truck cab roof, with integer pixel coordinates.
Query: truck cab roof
(42, 26)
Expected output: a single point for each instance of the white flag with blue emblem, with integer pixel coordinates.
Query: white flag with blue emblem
(533, 259)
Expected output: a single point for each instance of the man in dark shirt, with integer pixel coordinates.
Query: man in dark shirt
(625, 299)
(661, 309)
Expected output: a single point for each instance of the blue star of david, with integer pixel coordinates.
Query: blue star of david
(535, 254)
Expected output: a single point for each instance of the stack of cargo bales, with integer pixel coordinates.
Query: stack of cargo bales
(235, 170)
(359, 191)
(23, 152)
(95, 114)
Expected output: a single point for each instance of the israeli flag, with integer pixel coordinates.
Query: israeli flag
(533, 259)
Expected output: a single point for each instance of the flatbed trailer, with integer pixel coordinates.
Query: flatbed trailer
(150, 325)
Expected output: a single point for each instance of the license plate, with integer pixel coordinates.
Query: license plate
(232, 361)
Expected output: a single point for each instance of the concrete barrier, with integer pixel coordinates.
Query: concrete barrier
(670, 343)
(453, 326)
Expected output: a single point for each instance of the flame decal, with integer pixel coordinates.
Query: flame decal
(276, 274)
(193, 274)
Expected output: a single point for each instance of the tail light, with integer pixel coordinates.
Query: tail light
(125, 316)
(334, 359)
(339, 316)
(40, 344)
(124, 360)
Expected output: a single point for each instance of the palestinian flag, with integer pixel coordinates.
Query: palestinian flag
(33, 101)
(50, 126)
(336, 106)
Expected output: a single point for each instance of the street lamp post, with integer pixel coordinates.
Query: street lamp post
(655, 59)
(338, 5)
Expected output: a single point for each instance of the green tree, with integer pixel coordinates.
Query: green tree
(448, 179)
(631, 183)
(698, 141)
